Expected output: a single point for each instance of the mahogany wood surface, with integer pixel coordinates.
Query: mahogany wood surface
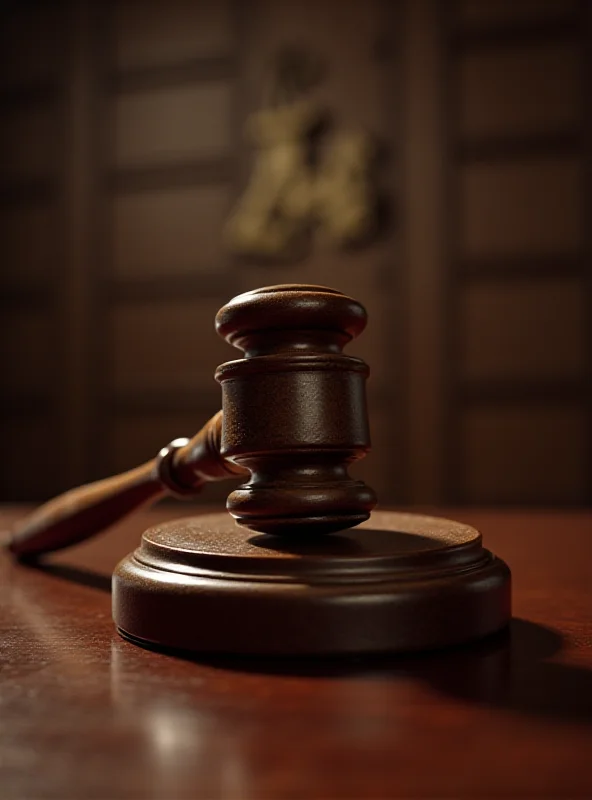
(86, 714)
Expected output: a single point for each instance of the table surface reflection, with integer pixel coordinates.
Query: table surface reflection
(85, 714)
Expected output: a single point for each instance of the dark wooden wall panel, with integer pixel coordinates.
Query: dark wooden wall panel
(169, 233)
(172, 125)
(490, 12)
(423, 233)
(528, 455)
(148, 33)
(524, 331)
(168, 143)
(165, 347)
(521, 208)
(123, 150)
(517, 346)
(27, 350)
(523, 89)
(31, 148)
(28, 142)
(29, 246)
(32, 36)
(29, 438)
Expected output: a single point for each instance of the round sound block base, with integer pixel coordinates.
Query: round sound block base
(398, 582)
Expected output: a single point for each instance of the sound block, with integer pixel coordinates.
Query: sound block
(397, 582)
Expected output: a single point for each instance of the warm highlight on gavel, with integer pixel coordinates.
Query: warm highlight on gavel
(265, 579)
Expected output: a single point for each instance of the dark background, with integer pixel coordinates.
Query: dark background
(122, 151)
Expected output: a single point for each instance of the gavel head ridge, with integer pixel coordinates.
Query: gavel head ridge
(295, 409)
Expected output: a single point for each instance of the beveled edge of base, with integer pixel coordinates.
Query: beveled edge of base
(174, 611)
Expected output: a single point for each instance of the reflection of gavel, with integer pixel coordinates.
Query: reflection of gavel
(294, 416)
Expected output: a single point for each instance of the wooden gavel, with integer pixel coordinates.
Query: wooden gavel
(293, 419)
(294, 416)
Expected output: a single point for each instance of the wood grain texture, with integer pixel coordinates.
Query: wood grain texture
(86, 714)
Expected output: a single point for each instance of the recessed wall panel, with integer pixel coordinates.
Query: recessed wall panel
(27, 141)
(495, 12)
(172, 232)
(519, 90)
(163, 347)
(524, 331)
(25, 438)
(524, 209)
(27, 246)
(524, 455)
(31, 38)
(153, 33)
(172, 125)
(27, 351)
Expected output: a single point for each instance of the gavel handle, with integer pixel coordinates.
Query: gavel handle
(181, 468)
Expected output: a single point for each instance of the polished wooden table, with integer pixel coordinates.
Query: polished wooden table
(85, 714)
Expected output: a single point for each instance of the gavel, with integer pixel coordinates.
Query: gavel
(265, 579)
(294, 416)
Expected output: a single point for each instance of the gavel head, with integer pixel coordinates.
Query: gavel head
(295, 409)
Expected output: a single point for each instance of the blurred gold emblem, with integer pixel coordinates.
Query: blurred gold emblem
(303, 184)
